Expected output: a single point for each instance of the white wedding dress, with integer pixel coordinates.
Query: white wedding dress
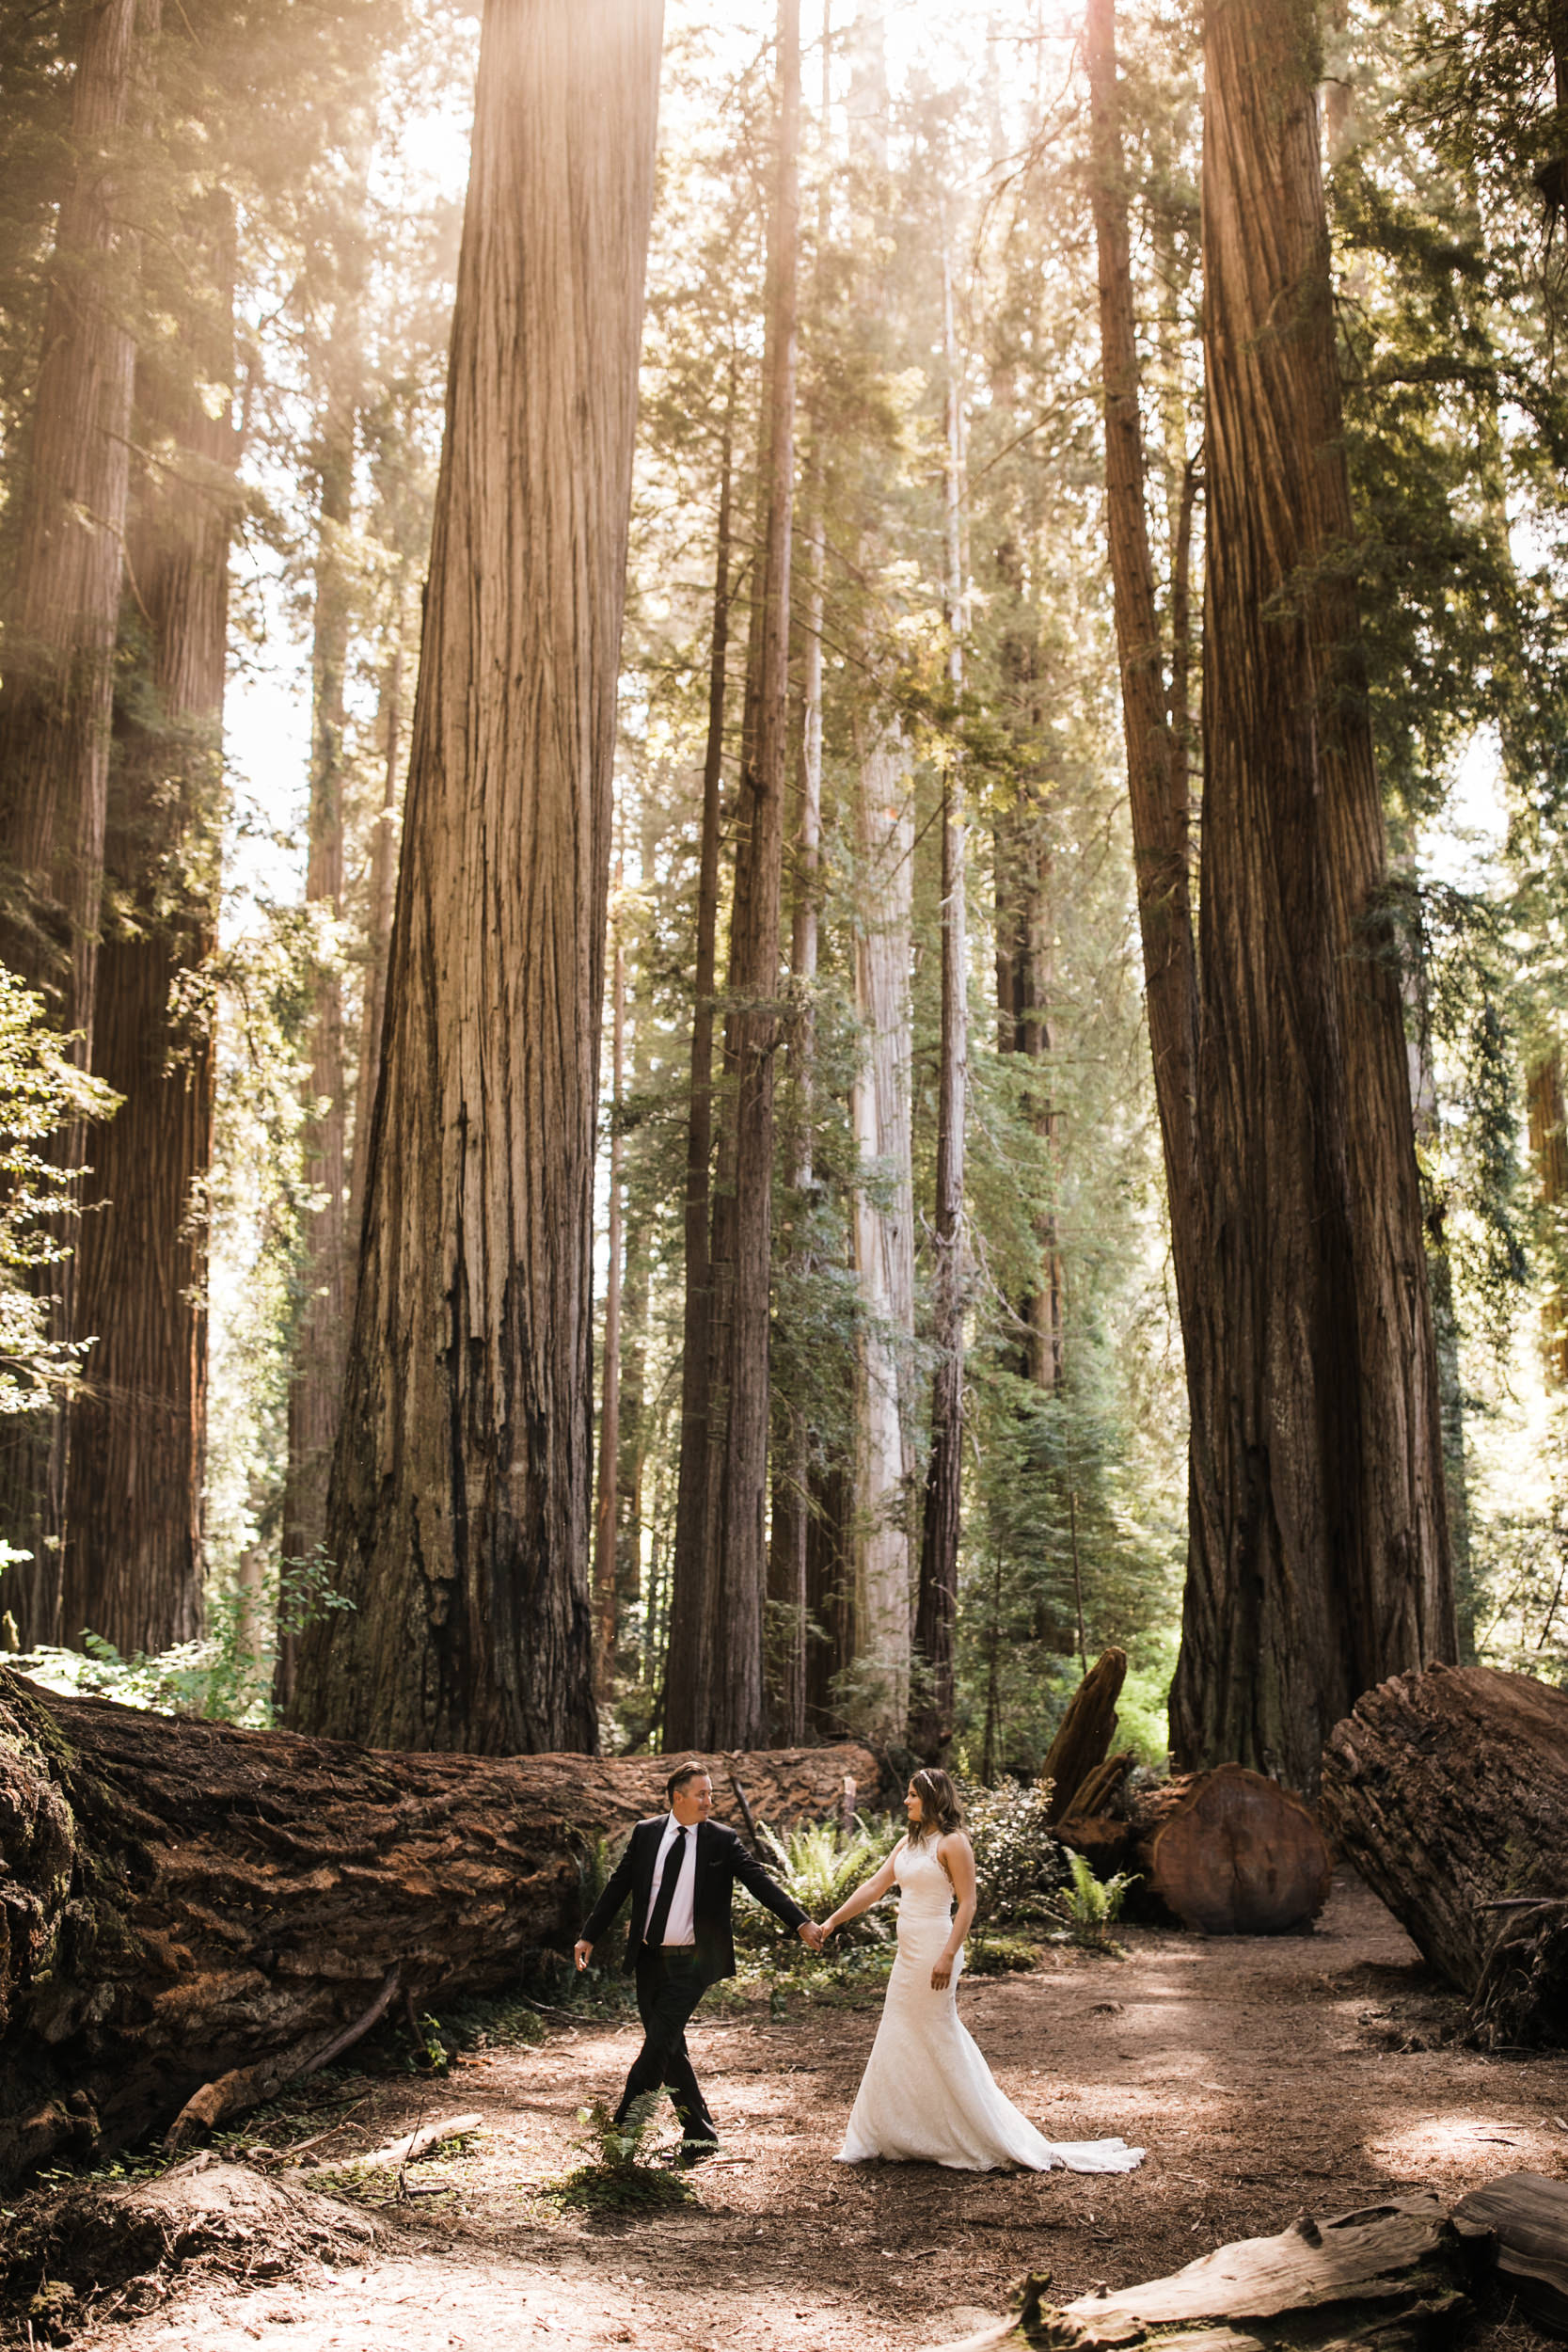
(926, 2096)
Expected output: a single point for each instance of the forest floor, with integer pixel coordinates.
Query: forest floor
(1262, 2075)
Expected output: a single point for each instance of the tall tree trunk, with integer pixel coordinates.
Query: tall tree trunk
(741, 1265)
(936, 1604)
(132, 1553)
(1157, 751)
(315, 1390)
(882, 1229)
(685, 1695)
(1318, 1556)
(1024, 974)
(1548, 1143)
(460, 1508)
(605, 1513)
(787, 1559)
(57, 701)
(384, 875)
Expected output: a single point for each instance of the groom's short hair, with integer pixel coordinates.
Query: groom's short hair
(682, 1774)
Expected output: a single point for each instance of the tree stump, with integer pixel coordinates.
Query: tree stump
(1448, 1791)
(180, 1903)
(1228, 1853)
(1084, 1733)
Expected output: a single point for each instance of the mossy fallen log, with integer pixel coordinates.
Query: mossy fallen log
(182, 1902)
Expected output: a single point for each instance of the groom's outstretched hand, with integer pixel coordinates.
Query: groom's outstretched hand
(582, 1953)
(811, 1935)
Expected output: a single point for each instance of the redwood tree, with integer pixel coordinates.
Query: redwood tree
(716, 1686)
(56, 704)
(1317, 1552)
(459, 1512)
(133, 1551)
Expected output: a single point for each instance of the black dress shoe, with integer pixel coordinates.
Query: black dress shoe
(697, 2147)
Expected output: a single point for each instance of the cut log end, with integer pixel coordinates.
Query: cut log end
(1241, 1856)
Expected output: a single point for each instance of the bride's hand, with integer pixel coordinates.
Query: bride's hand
(941, 1976)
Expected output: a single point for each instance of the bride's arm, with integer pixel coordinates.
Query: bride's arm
(864, 1896)
(957, 1856)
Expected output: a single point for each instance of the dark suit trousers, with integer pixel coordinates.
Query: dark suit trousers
(669, 1987)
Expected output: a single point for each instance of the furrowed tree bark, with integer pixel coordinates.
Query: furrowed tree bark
(460, 1507)
(57, 702)
(181, 1900)
(1318, 1549)
(1156, 747)
(685, 1687)
(742, 1243)
(1448, 1791)
(882, 1226)
(604, 1515)
(383, 892)
(937, 1600)
(131, 1567)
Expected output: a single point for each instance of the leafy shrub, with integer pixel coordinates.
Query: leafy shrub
(1017, 1861)
(1086, 1908)
(999, 1955)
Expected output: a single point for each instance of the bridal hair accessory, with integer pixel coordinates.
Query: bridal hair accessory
(940, 1809)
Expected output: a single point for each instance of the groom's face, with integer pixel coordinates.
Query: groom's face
(692, 1800)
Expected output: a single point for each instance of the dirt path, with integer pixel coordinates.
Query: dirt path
(1261, 2076)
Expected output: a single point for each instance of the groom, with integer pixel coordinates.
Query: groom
(679, 1869)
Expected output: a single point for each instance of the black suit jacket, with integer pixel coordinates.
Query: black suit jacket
(721, 1860)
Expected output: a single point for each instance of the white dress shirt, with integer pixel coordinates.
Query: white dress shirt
(678, 1928)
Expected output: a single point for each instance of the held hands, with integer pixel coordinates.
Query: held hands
(811, 1935)
(582, 1953)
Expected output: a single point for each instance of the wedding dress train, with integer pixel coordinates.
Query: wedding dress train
(926, 2096)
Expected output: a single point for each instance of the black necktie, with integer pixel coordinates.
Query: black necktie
(658, 1917)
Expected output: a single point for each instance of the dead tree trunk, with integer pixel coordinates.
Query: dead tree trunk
(183, 1900)
(460, 1508)
(742, 1245)
(131, 1566)
(1318, 1548)
(686, 1684)
(1448, 1791)
(57, 701)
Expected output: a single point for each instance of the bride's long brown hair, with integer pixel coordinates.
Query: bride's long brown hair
(940, 1809)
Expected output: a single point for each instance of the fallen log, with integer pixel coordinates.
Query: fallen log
(1084, 1733)
(1449, 1793)
(180, 1903)
(413, 2145)
(1226, 1852)
(1384, 2275)
(1521, 2224)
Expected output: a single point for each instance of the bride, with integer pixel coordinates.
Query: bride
(926, 2096)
